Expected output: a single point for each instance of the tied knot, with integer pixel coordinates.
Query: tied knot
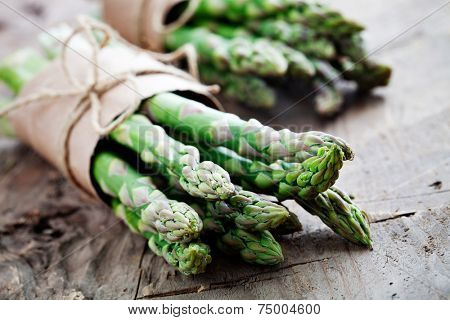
(91, 92)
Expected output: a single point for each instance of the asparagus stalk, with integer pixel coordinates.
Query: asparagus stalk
(298, 64)
(240, 55)
(332, 206)
(256, 248)
(248, 138)
(355, 66)
(248, 89)
(248, 210)
(20, 67)
(175, 221)
(200, 179)
(367, 74)
(191, 258)
(335, 208)
(320, 18)
(291, 225)
(328, 100)
(297, 36)
(5, 127)
(253, 247)
(284, 180)
(213, 223)
(237, 10)
(316, 16)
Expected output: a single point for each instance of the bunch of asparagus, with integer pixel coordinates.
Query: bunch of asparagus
(246, 45)
(206, 173)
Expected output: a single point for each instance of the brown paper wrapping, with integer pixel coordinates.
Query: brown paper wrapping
(42, 124)
(139, 21)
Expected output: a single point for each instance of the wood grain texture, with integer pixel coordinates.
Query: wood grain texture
(56, 245)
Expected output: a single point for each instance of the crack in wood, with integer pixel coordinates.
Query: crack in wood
(238, 281)
(405, 196)
(396, 216)
(140, 272)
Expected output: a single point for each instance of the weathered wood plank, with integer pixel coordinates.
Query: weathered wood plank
(409, 261)
(54, 244)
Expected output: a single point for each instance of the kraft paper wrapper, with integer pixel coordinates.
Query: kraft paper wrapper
(42, 124)
(138, 20)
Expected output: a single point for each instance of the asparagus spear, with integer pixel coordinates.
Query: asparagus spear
(249, 211)
(291, 225)
(367, 74)
(239, 55)
(253, 247)
(200, 179)
(332, 206)
(191, 258)
(316, 172)
(335, 208)
(328, 99)
(5, 127)
(284, 180)
(320, 18)
(156, 148)
(355, 66)
(298, 36)
(237, 10)
(248, 89)
(246, 210)
(298, 64)
(248, 138)
(18, 68)
(256, 248)
(175, 221)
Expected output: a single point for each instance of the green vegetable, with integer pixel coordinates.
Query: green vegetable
(200, 179)
(320, 18)
(248, 89)
(337, 210)
(248, 138)
(332, 206)
(291, 225)
(249, 211)
(328, 100)
(298, 64)
(297, 36)
(5, 127)
(239, 55)
(20, 67)
(256, 248)
(367, 74)
(175, 221)
(238, 10)
(191, 258)
(253, 247)
(245, 210)
(281, 179)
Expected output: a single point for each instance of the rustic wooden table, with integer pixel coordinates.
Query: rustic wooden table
(53, 245)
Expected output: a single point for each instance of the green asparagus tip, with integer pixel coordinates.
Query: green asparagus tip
(193, 259)
(207, 180)
(341, 214)
(255, 248)
(321, 171)
(291, 225)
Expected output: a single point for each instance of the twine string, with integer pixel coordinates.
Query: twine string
(91, 92)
